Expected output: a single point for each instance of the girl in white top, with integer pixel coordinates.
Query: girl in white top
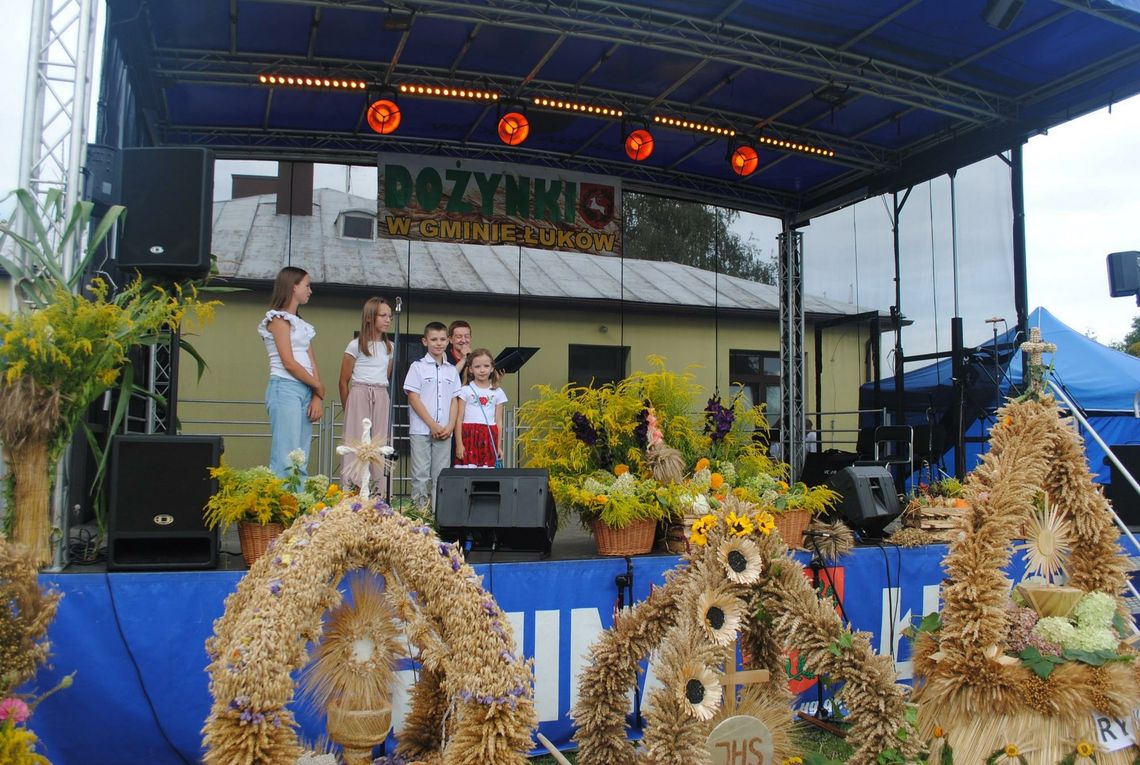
(479, 441)
(364, 373)
(295, 395)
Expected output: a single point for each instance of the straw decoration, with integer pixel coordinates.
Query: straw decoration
(975, 698)
(730, 558)
(484, 689)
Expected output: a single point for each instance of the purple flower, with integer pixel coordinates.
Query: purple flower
(275, 586)
(356, 507)
(583, 430)
(718, 419)
(641, 432)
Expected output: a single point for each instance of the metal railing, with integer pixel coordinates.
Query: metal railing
(1079, 417)
(327, 434)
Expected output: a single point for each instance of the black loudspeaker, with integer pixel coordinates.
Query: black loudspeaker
(869, 501)
(168, 195)
(159, 488)
(1123, 273)
(1119, 492)
(500, 509)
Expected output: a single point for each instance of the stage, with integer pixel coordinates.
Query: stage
(136, 641)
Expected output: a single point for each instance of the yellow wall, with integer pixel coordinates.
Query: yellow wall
(238, 365)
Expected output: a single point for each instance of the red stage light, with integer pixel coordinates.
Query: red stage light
(384, 116)
(513, 128)
(744, 161)
(639, 145)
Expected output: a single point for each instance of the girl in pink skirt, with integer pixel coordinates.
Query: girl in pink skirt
(364, 373)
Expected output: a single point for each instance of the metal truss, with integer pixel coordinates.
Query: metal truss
(241, 68)
(703, 38)
(56, 98)
(791, 285)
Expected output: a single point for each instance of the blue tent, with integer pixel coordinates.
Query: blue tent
(1101, 381)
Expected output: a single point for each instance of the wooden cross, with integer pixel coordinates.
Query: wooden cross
(1034, 368)
(733, 677)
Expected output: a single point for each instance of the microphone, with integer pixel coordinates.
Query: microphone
(399, 305)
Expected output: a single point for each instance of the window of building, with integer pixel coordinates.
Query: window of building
(595, 365)
(358, 225)
(757, 373)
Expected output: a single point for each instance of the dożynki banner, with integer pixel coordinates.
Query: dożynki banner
(469, 202)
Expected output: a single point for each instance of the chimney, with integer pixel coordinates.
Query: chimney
(294, 188)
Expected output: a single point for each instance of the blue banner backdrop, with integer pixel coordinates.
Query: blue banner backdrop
(137, 643)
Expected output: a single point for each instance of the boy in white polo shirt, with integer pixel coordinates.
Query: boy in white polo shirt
(431, 384)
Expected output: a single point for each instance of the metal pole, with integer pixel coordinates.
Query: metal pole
(1020, 269)
(954, 237)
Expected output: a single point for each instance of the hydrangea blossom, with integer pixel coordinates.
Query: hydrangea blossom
(1094, 611)
(1054, 629)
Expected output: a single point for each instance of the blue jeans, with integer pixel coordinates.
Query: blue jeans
(287, 402)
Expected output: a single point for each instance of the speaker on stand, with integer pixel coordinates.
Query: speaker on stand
(168, 193)
(159, 488)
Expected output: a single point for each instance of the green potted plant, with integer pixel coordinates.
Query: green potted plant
(262, 504)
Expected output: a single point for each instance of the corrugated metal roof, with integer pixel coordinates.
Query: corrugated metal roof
(251, 241)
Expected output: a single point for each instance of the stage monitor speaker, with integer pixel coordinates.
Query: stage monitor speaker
(159, 488)
(869, 501)
(500, 509)
(168, 194)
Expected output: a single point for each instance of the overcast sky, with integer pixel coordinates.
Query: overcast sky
(1082, 196)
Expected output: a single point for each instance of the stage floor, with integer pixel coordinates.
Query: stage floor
(571, 542)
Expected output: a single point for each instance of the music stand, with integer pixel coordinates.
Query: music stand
(511, 360)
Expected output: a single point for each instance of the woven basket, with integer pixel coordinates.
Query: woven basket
(358, 730)
(255, 539)
(634, 539)
(791, 525)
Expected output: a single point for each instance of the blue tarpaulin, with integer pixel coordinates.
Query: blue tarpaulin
(136, 641)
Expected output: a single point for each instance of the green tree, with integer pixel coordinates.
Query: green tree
(696, 235)
(1131, 342)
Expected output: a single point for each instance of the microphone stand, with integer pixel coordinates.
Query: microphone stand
(396, 309)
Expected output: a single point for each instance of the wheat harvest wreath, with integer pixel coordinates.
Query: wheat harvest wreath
(473, 703)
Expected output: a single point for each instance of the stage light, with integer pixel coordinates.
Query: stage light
(639, 145)
(434, 91)
(698, 127)
(514, 128)
(309, 81)
(384, 116)
(744, 160)
(779, 143)
(577, 106)
(1000, 14)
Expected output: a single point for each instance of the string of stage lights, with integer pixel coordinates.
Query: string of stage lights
(384, 117)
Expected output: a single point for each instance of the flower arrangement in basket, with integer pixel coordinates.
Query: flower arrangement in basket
(263, 504)
(618, 455)
(609, 449)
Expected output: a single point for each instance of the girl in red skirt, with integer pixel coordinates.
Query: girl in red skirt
(479, 442)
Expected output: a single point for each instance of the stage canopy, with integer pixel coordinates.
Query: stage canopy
(841, 100)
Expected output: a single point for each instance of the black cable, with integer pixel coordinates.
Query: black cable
(83, 548)
(830, 579)
(138, 672)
